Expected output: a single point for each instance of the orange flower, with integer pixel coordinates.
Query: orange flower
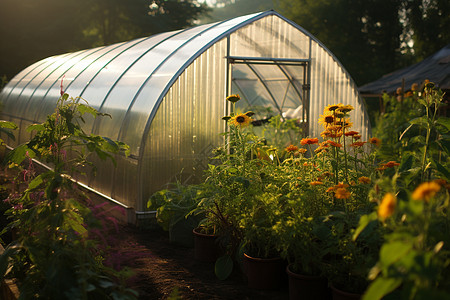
(426, 191)
(342, 193)
(381, 168)
(351, 133)
(375, 141)
(387, 206)
(316, 182)
(309, 141)
(330, 189)
(391, 164)
(305, 164)
(291, 149)
(356, 137)
(332, 143)
(364, 180)
(302, 150)
(357, 144)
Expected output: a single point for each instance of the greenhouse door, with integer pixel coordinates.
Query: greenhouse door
(272, 87)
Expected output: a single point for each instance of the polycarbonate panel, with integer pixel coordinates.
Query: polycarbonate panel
(187, 125)
(271, 37)
(138, 115)
(131, 71)
(72, 83)
(331, 84)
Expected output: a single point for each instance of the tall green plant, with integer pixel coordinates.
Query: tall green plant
(53, 256)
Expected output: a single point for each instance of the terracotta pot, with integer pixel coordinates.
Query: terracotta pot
(342, 295)
(307, 287)
(205, 247)
(263, 273)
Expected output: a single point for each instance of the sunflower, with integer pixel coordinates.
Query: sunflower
(387, 206)
(326, 119)
(332, 107)
(426, 191)
(375, 141)
(346, 108)
(342, 193)
(234, 98)
(241, 120)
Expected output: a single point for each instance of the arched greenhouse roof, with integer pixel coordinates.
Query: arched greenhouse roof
(166, 94)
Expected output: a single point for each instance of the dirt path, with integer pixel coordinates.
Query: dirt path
(163, 267)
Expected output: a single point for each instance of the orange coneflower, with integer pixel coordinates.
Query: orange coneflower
(391, 164)
(342, 193)
(291, 149)
(357, 144)
(309, 141)
(316, 182)
(387, 206)
(351, 133)
(332, 143)
(426, 191)
(364, 180)
(375, 141)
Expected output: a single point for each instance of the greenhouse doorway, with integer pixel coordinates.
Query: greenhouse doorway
(277, 91)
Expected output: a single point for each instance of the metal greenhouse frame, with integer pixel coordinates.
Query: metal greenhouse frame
(166, 94)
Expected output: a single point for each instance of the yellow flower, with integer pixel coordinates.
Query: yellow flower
(302, 150)
(234, 98)
(364, 180)
(342, 193)
(426, 191)
(387, 206)
(326, 119)
(332, 107)
(241, 120)
(346, 108)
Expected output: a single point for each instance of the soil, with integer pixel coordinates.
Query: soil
(163, 269)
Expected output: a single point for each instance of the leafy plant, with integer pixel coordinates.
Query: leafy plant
(53, 256)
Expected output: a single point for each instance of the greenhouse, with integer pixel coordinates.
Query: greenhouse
(166, 95)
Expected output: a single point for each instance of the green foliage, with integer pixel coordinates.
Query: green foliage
(53, 256)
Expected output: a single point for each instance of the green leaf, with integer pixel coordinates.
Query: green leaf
(422, 121)
(444, 122)
(394, 251)
(83, 109)
(443, 170)
(364, 221)
(36, 127)
(381, 287)
(223, 267)
(19, 154)
(35, 183)
(406, 163)
(8, 125)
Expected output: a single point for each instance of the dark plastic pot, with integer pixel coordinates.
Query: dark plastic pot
(263, 273)
(206, 248)
(307, 287)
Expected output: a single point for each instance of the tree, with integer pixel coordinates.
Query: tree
(429, 23)
(363, 34)
(32, 30)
